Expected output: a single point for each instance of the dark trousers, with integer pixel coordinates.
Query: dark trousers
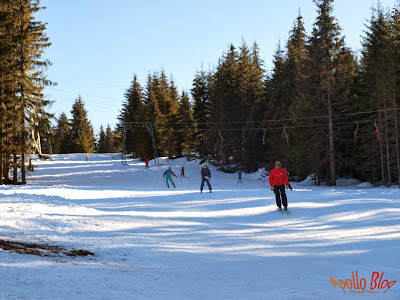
(147, 166)
(202, 184)
(280, 193)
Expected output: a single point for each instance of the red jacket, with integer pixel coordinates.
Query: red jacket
(277, 177)
(147, 161)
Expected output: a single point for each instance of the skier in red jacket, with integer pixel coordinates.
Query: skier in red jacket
(278, 179)
(147, 161)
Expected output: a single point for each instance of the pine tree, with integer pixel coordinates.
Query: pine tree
(222, 94)
(22, 44)
(251, 93)
(201, 109)
(236, 92)
(326, 86)
(172, 118)
(101, 145)
(186, 125)
(8, 85)
(153, 113)
(134, 111)
(62, 137)
(82, 136)
(276, 107)
(379, 80)
(296, 78)
(395, 82)
(109, 140)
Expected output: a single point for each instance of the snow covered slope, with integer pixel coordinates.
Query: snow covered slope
(151, 242)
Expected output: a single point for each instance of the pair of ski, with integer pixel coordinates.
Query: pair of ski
(284, 212)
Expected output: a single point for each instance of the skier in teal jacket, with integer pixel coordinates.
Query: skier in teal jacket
(168, 177)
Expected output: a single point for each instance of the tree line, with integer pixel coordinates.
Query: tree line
(321, 110)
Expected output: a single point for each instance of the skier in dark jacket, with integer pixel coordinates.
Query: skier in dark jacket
(240, 176)
(278, 179)
(205, 177)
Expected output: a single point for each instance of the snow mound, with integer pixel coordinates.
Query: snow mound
(308, 181)
(261, 174)
(339, 182)
(365, 185)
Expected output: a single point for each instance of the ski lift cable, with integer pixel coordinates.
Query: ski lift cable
(338, 124)
(291, 119)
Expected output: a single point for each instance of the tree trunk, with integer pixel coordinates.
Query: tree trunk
(23, 145)
(15, 168)
(6, 169)
(23, 169)
(331, 143)
(373, 180)
(1, 155)
(1, 167)
(396, 130)
(389, 181)
(382, 159)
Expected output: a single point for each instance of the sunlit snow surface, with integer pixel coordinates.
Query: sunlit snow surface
(151, 242)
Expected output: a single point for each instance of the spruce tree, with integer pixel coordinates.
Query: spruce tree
(134, 111)
(298, 152)
(82, 136)
(62, 135)
(109, 140)
(153, 114)
(327, 86)
(101, 145)
(395, 82)
(23, 41)
(186, 125)
(222, 94)
(379, 80)
(201, 109)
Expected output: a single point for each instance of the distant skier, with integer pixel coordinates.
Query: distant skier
(278, 179)
(147, 161)
(168, 177)
(240, 176)
(182, 172)
(205, 177)
(87, 157)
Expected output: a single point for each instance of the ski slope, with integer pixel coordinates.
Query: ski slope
(151, 242)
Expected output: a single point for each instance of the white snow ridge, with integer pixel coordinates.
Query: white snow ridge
(151, 242)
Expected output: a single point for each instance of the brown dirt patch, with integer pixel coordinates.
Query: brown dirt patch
(41, 249)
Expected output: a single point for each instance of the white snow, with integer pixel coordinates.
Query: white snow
(151, 242)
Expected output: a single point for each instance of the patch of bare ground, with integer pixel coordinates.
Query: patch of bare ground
(41, 249)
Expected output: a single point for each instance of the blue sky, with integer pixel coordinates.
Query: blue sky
(99, 45)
